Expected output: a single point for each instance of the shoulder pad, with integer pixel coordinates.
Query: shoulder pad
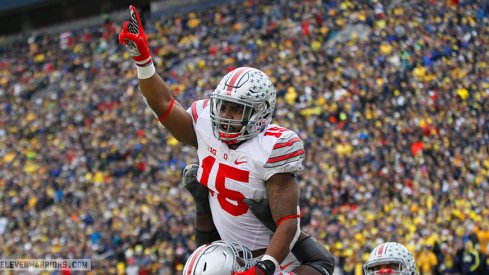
(288, 148)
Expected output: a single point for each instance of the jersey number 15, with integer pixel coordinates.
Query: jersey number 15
(225, 195)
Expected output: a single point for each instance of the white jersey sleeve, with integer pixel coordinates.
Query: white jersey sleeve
(197, 108)
(286, 156)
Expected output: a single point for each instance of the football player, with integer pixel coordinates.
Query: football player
(241, 155)
(308, 251)
(390, 258)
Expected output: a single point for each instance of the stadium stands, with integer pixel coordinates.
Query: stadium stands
(394, 120)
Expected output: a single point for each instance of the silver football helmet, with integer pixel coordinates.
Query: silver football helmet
(218, 258)
(253, 90)
(390, 258)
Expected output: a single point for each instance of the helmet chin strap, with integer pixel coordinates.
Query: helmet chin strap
(226, 136)
(385, 271)
(232, 144)
(235, 135)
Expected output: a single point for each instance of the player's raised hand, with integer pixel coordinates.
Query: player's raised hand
(133, 37)
(156, 93)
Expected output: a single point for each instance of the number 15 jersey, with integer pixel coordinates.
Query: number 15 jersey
(232, 175)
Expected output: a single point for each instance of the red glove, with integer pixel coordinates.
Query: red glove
(252, 271)
(266, 267)
(132, 35)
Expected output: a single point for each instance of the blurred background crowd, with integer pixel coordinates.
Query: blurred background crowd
(391, 99)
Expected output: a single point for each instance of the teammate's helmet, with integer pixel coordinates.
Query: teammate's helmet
(218, 258)
(390, 258)
(250, 88)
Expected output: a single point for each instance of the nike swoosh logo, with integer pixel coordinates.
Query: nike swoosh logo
(236, 162)
(282, 267)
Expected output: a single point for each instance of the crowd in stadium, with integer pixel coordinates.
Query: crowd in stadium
(394, 121)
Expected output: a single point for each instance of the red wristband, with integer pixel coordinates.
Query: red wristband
(286, 218)
(163, 116)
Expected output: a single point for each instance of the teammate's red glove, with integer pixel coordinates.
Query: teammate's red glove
(132, 35)
(265, 267)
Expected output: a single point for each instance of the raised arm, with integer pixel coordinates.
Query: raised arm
(154, 90)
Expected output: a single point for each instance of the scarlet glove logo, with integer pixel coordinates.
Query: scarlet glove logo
(132, 35)
(133, 24)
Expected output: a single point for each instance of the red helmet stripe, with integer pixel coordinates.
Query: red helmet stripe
(235, 77)
(381, 250)
(196, 255)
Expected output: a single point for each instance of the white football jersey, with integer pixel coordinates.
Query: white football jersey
(232, 175)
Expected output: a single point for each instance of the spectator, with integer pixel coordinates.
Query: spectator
(470, 259)
(427, 261)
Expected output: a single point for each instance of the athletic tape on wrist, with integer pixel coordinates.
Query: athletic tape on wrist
(146, 72)
(145, 62)
(270, 258)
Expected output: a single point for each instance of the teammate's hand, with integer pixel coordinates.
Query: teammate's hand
(265, 267)
(261, 209)
(189, 176)
(199, 192)
(133, 37)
